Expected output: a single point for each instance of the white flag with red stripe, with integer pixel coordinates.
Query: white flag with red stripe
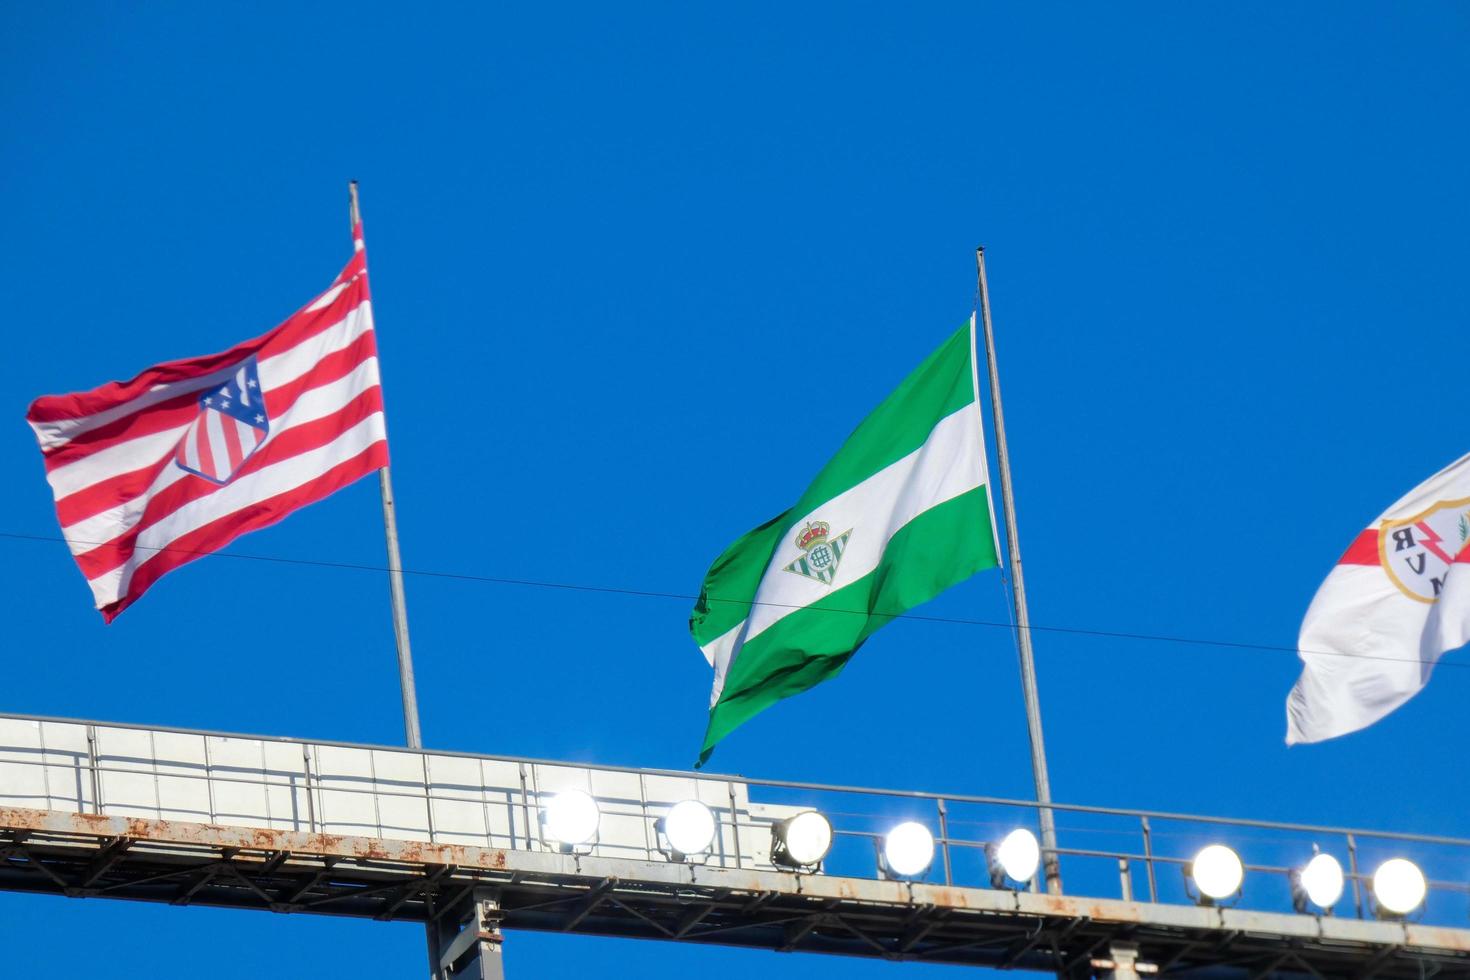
(154, 472)
(1397, 601)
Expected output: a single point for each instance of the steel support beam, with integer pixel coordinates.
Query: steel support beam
(467, 895)
(474, 952)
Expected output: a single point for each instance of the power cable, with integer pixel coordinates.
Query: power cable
(690, 597)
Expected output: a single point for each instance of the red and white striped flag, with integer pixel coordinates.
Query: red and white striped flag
(1397, 601)
(154, 472)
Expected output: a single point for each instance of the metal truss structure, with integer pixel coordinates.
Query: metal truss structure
(469, 893)
(454, 841)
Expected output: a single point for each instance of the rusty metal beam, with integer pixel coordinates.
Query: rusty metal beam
(411, 890)
(109, 856)
(549, 891)
(763, 899)
(692, 918)
(590, 902)
(1370, 969)
(230, 868)
(659, 926)
(796, 932)
(310, 883)
(917, 930)
(1045, 932)
(205, 877)
(31, 864)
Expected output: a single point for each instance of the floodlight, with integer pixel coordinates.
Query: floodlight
(1320, 882)
(908, 850)
(801, 841)
(571, 817)
(1399, 886)
(689, 827)
(1217, 872)
(1015, 858)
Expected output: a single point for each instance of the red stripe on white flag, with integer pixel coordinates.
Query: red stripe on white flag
(1397, 600)
(119, 457)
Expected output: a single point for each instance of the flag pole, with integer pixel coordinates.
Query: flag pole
(1018, 595)
(395, 568)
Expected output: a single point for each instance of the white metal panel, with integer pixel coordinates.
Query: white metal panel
(287, 802)
(23, 776)
(403, 804)
(183, 786)
(346, 803)
(67, 777)
(460, 810)
(373, 792)
(511, 809)
(236, 768)
(126, 772)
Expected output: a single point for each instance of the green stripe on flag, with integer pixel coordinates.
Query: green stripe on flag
(732, 580)
(941, 385)
(898, 515)
(934, 551)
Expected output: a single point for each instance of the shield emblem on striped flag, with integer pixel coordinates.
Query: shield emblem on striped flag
(231, 425)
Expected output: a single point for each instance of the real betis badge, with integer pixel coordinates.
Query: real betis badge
(822, 553)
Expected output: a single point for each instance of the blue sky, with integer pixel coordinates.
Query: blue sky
(637, 273)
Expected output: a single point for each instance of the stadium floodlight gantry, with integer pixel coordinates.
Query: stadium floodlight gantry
(473, 844)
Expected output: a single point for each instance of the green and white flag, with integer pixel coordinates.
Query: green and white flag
(900, 514)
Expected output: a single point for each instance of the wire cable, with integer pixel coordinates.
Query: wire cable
(691, 597)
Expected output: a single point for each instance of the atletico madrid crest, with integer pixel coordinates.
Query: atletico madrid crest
(230, 427)
(821, 553)
(1417, 551)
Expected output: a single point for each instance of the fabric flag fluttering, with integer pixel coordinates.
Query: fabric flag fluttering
(152, 473)
(900, 514)
(1397, 601)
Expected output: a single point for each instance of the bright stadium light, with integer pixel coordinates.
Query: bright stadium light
(908, 850)
(801, 841)
(1015, 859)
(570, 818)
(689, 827)
(1399, 886)
(1217, 872)
(1319, 882)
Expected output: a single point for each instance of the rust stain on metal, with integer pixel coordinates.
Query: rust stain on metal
(1060, 905)
(1435, 937)
(954, 898)
(253, 838)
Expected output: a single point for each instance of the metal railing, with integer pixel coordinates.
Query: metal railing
(1105, 852)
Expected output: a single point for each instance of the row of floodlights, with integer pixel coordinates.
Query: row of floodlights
(1398, 886)
(570, 819)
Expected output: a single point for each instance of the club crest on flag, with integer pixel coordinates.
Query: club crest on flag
(1417, 551)
(231, 425)
(821, 553)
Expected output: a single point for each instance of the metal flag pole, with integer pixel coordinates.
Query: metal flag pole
(1018, 595)
(395, 564)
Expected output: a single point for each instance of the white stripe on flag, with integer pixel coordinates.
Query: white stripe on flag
(59, 432)
(219, 452)
(945, 466)
(275, 371)
(278, 478)
(314, 404)
(247, 434)
(191, 451)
